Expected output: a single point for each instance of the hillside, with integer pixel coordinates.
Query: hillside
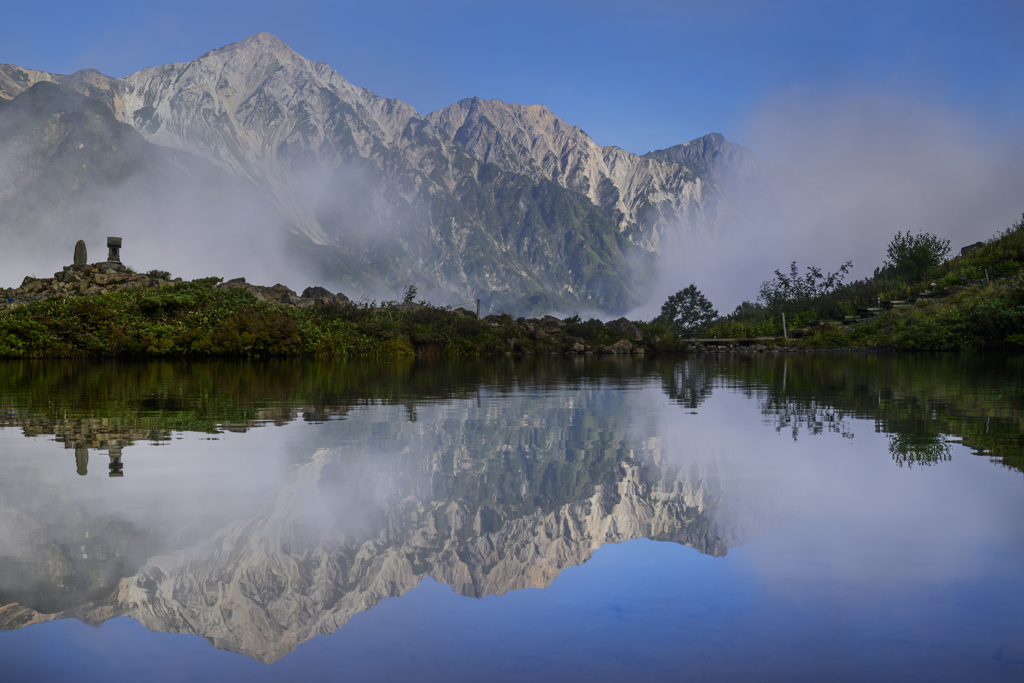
(971, 302)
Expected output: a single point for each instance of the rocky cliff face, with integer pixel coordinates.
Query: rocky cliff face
(666, 199)
(480, 200)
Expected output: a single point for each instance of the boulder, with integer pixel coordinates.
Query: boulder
(317, 293)
(281, 294)
(971, 247)
(625, 327)
(619, 347)
(104, 279)
(239, 282)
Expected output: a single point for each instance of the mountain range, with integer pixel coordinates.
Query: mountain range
(262, 156)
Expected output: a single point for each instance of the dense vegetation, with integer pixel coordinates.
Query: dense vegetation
(918, 300)
(198, 319)
(974, 301)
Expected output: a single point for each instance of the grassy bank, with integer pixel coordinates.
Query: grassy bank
(977, 303)
(197, 319)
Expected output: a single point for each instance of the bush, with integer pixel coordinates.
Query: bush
(910, 256)
(788, 291)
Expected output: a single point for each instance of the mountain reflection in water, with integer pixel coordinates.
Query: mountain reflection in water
(486, 476)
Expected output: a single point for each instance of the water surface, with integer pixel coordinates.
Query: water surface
(839, 517)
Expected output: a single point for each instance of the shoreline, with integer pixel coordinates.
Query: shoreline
(131, 315)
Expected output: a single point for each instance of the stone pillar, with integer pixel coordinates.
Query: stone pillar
(114, 246)
(116, 468)
(81, 256)
(82, 460)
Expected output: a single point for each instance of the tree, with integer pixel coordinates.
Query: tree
(910, 256)
(793, 289)
(410, 294)
(747, 310)
(688, 310)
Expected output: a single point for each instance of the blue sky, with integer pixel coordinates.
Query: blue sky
(641, 75)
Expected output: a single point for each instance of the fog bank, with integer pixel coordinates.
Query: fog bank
(870, 164)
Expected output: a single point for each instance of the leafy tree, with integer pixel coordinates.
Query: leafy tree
(410, 294)
(910, 256)
(688, 310)
(793, 289)
(747, 310)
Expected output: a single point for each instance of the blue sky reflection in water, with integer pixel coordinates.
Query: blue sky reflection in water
(843, 565)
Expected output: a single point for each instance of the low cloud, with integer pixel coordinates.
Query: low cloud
(868, 164)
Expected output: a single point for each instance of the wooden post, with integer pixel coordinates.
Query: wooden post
(478, 309)
(986, 277)
(785, 334)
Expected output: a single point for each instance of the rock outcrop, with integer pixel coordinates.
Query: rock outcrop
(665, 200)
(281, 294)
(85, 280)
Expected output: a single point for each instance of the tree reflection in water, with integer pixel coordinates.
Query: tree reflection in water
(488, 476)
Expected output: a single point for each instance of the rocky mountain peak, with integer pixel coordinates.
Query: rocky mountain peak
(398, 197)
(261, 41)
(650, 197)
(527, 139)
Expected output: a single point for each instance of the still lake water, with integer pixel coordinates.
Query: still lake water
(777, 517)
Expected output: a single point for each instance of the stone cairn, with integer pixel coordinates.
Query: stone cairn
(81, 279)
(84, 279)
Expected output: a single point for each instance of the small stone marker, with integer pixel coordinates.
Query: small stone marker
(82, 457)
(114, 247)
(81, 256)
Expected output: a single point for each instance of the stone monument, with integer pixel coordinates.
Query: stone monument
(116, 468)
(114, 247)
(82, 457)
(81, 256)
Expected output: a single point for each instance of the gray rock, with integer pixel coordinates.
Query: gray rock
(317, 293)
(280, 293)
(619, 347)
(551, 321)
(971, 247)
(81, 255)
(625, 327)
